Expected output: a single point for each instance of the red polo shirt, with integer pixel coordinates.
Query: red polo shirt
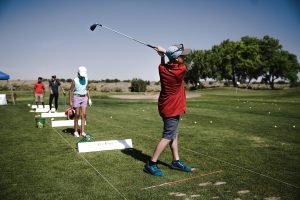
(39, 88)
(171, 101)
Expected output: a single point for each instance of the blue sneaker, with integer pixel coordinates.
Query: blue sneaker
(179, 165)
(153, 169)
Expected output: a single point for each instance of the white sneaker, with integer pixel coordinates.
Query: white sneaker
(83, 134)
(76, 134)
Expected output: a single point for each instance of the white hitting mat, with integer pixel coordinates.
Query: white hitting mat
(40, 106)
(56, 114)
(60, 123)
(104, 145)
(44, 110)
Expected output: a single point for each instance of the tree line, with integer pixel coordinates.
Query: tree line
(243, 61)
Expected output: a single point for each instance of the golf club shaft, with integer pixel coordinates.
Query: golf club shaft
(127, 36)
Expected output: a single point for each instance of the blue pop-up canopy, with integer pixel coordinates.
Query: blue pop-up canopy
(3, 76)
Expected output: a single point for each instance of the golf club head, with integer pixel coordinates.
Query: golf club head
(93, 27)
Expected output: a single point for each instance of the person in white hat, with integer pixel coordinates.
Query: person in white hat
(79, 98)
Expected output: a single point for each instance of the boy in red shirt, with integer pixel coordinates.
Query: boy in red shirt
(39, 92)
(171, 104)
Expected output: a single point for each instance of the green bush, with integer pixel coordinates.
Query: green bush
(138, 85)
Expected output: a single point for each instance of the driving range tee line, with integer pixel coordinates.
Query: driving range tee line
(222, 161)
(179, 181)
(96, 170)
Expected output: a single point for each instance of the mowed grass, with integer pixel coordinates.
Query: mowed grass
(244, 144)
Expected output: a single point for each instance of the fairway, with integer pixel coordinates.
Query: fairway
(244, 144)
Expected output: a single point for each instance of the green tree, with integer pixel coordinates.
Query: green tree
(270, 53)
(193, 62)
(228, 50)
(249, 66)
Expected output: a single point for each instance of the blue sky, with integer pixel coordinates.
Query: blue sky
(43, 37)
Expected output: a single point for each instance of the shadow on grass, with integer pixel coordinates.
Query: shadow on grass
(68, 131)
(139, 155)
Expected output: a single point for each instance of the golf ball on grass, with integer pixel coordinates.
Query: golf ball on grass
(210, 122)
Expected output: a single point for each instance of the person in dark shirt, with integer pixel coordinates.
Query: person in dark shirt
(54, 86)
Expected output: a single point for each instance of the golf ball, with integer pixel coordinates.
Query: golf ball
(210, 122)
(29, 105)
(294, 126)
(111, 117)
(275, 126)
(195, 122)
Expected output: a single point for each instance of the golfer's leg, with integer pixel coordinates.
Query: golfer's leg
(42, 100)
(50, 101)
(174, 149)
(36, 99)
(159, 149)
(77, 112)
(83, 118)
(56, 101)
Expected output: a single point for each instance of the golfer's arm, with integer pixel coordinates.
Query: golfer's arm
(88, 91)
(71, 92)
(162, 60)
(62, 89)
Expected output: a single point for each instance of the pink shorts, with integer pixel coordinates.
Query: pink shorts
(80, 102)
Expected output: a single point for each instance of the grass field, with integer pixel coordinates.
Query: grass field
(244, 144)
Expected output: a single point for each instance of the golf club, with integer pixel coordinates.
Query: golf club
(93, 27)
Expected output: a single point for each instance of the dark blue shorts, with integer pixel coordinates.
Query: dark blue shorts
(171, 127)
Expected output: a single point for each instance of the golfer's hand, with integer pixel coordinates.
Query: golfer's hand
(90, 102)
(64, 93)
(160, 50)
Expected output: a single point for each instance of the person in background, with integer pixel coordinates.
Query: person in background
(54, 86)
(171, 105)
(79, 98)
(39, 92)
